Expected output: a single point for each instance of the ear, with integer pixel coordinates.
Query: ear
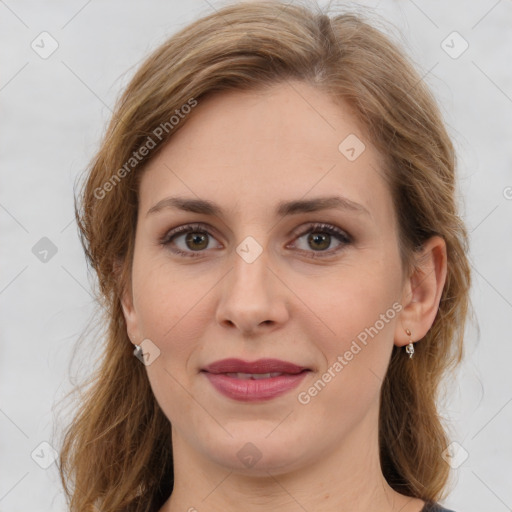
(422, 292)
(126, 297)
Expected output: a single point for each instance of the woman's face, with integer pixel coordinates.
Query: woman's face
(267, 275)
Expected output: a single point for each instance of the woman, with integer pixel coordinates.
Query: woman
(272, 220)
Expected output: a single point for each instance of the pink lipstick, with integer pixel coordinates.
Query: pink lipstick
(259, 380)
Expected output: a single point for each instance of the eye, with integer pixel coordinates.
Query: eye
(320, 236)
(196, 239)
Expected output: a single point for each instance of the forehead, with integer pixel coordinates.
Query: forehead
(258, 147)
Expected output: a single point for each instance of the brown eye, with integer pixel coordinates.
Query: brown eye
(196, 240)
(319, 239)
(189, 240)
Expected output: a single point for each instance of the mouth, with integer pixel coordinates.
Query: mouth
(262, 368)
(260, 380)
(255, 376)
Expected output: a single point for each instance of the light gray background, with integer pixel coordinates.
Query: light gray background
(53, 112)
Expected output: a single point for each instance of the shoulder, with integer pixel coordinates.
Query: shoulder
(435, 507)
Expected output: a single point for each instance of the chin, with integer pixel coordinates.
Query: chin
(257, 455)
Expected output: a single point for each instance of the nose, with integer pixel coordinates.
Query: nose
(253, 298)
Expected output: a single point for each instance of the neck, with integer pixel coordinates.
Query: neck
(348, 479)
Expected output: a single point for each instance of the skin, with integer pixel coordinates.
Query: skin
(247, 151)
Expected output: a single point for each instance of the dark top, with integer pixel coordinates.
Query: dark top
(434, 507)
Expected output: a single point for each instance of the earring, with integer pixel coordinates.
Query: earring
(409, 348)
(137, 352)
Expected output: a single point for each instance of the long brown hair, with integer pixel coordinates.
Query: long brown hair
(116, 454)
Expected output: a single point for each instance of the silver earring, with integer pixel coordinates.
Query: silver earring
(138, 352)
(409, 348)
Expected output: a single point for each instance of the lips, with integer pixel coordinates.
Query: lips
(256, 381)
(261, 366)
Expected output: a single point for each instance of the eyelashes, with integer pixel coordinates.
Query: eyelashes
(316, 229)
(199, 234)
(196, 229)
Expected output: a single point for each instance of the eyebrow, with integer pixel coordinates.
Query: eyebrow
(284, 208)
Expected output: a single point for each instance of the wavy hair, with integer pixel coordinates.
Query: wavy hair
(116, 452)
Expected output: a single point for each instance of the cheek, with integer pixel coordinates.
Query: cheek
(352, 297)
(159, 313)
(164, 297)
(355, 311)
(169, 309)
